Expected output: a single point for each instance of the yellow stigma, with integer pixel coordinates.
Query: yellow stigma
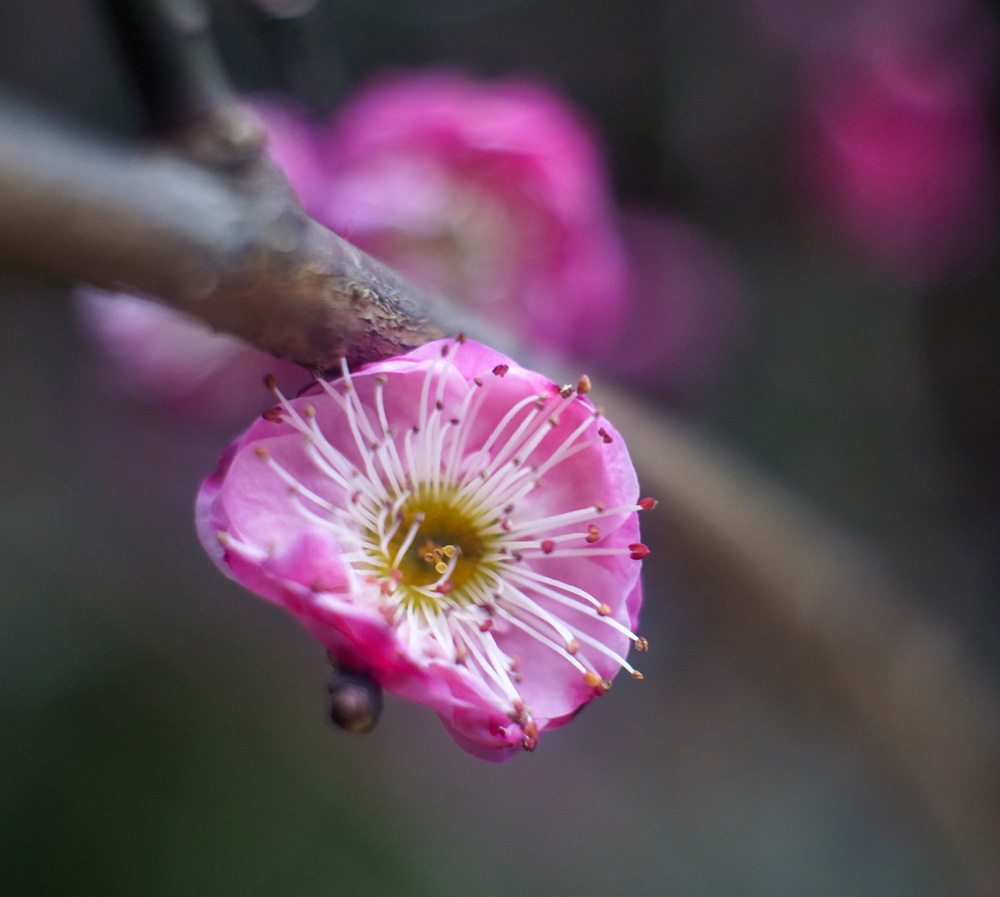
(445, 539)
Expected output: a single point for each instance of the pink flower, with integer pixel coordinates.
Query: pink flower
(494, 193)
(179, 363)
(455, 526)
(898, 153)
(686, 308)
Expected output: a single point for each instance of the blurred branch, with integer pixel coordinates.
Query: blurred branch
(809, 608)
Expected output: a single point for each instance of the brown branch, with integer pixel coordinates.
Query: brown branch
(232, 247)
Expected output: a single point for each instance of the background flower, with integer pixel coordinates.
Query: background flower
(493, 192)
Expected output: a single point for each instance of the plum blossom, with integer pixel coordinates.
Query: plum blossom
(493, 192)
(459, 528)
(897, 154)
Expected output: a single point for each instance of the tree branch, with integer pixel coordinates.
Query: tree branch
(232, 247)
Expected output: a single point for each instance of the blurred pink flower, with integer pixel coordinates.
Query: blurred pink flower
(685, 308)
(456, 526)
(494, 193)
(178, 362)
(898, 154)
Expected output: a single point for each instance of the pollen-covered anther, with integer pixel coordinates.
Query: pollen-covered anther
(641, 644)
(309, 411)
(583, 387)
(593, 533)
(572, 646)
(261, 452)
(548, 546)
(604, 610)
(223, 538)
(638, 551)
(604, 685)
(592, 679)
(530, 732)
(647, 504)
(566, 391)
(636, 674)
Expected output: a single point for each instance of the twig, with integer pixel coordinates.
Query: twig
(232, 247)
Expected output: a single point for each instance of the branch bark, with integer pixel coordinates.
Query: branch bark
(232, 247)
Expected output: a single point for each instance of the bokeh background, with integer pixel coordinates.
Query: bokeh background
(163, 732)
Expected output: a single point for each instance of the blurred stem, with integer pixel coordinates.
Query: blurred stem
(814, 611)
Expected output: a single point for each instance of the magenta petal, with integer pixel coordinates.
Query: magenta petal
(455, 526)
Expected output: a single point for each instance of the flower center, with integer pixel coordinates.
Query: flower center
(436, 550)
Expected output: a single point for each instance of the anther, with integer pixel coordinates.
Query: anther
(548, 546)
(593, 533)
(501, 369)
(592, 679)
(604, 610)
(381, 379)
(638, 551)
(641, 644)
(478, 381)
(583, 387)
(605, 686)
(647, 504)
(271, 382)
(460, 339)
(486, 625)
(262, 452)
(566, 391)
(223, 538)
(439, 405)
(445, 349)
(636, 674)
(309, 411)
(273, 415)
(572, 646)
(605, 436)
